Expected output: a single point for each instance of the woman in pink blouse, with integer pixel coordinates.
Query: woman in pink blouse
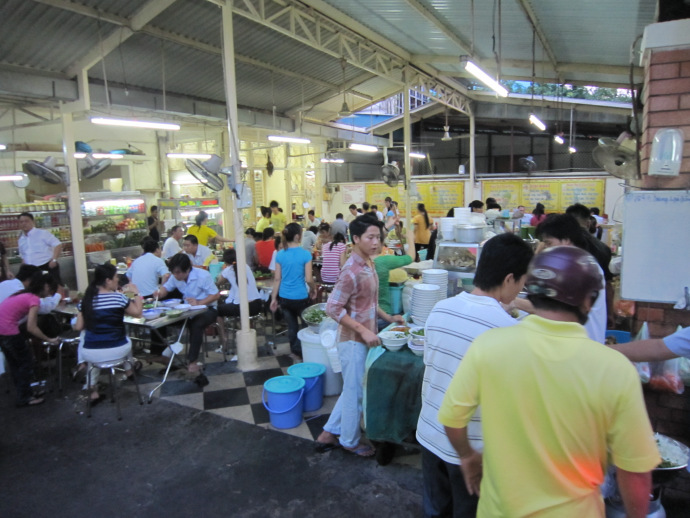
(333, 259)
(538, 216)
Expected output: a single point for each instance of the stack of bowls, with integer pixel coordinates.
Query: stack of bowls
(424, 297)
(416, 342)
(439, 278)
(446, 227)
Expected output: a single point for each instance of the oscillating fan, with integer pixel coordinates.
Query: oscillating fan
(390, 174)
(47, 170)
(208, 172)
(617, 159)
(94, 167)
(527, 163)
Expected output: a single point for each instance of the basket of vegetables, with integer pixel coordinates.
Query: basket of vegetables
(314, 315)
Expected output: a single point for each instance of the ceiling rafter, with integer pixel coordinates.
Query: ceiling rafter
(534, 22)
(440, 25)
(321, 98)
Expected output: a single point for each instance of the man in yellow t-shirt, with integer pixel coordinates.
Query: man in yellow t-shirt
(278, 219)
(265, 220)
(555, 406)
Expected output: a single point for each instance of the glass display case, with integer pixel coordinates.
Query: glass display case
(460, 260)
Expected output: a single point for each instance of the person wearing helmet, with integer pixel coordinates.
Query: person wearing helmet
(555, 405)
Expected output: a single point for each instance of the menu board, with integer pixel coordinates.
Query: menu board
(353, 193)
(555, 195)
(437, 197)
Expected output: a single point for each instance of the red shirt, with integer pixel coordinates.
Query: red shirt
(264, 250)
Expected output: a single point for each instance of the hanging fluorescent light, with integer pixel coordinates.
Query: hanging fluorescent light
(112, 156)
(3, 147)
(200, 156)
(417, 155)
(571, 149)
(363, 147)
(559, 139)
(332, 160)
(11, 178)
(533, 119)
(292, 140)
(191, 181)
(486, 79)
(130, 123)
(188, 213)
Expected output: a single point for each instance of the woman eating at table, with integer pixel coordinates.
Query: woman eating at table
(291, 277)
(333, 259)
(101, 315)
(16, 307)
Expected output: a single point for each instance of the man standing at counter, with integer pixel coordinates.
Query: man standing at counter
(353, 304)
(39, 247)
(452, 326)
(555, 405)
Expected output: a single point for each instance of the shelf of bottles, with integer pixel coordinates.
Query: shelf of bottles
(51, 216)
(111, 223)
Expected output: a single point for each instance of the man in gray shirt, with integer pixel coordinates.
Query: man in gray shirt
(339, 226)
(250, 248)
(309, 238)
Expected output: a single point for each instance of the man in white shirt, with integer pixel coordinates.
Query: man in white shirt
(452, 326)
(147, 269)
(353, 213)
(172, 244)
(39, 247)
(312, 219)
(197, 253)
(22, 281)
(375, 210)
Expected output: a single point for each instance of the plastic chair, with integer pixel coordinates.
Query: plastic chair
(112, 366)
(234, 326)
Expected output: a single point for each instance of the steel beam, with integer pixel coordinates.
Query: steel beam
(465, 46)
(534, 22)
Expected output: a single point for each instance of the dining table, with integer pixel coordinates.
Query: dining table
(153, 326)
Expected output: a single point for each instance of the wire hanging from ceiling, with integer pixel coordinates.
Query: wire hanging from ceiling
(105, 75)
(163, 72)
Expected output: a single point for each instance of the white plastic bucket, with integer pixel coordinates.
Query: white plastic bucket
(313, 351)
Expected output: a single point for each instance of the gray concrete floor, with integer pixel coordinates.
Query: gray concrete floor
(168, 460)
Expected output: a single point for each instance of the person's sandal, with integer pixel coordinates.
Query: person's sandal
(32, 402)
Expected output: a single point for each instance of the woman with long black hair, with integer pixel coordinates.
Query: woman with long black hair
(231, 307)
(101, 314)
(422, 229)
(333, 259)
(539, 215)
(292, 276)
(16, 307)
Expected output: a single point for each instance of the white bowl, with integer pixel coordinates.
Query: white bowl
(389, 338)
(419, 321)
(393, 348)
(416, 351)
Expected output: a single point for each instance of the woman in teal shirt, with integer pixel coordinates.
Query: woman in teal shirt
(291, 277)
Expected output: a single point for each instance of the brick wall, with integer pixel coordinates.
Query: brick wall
(666, 98)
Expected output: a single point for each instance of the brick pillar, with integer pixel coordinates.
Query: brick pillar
(666, 96)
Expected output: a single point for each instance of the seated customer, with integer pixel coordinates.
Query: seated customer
(264, 248)
(309, 238)
(147, 269)
(324, 236)
(101, 314)
(17, 307)
(21, 282)
(231, 307)
(198, 289)
(199, 255)
(333, 259)
(172, 244)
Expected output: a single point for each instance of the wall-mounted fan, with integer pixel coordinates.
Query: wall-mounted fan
(94, 167)
(208, 172)
(390, 173)
(527, 163)
(617, 159)
(47, 170)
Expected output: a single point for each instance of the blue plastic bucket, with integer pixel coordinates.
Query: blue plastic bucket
(282, 397)
(622, 337)
(313, 375)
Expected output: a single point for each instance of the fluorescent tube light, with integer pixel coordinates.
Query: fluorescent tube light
(571, 149)
(105, 201)
(11, 178)
(559, 139)
(191, 181)
(486, 79)
(332, 160)
(3, 147)
(533, 119)
(417, 155)
(112, 156)
(135, 123)
(293, 140)
(189, 213)
(200, 156)
(363, 147)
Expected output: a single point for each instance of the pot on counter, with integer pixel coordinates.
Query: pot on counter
(469, 233)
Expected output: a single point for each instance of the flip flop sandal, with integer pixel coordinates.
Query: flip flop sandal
(361, 450)
(323, 447)
(32, 402)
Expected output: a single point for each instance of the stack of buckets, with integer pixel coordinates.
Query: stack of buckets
(287, 397)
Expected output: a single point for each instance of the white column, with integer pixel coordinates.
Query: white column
(469, 193)
(246, 337)
(73, 201)
(407, 143)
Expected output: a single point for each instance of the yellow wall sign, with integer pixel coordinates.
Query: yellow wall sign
(438, 197)
(555, 195)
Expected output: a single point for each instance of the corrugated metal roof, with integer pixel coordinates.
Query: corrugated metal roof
(124, 8)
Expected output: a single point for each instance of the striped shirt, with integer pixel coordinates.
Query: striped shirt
(106, 327)
(356, 294)
(330, 265)
(450, 330)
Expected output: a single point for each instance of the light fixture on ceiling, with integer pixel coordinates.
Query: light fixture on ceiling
(533, 119)
(344, 109)
(131, 123)
(558, 139)
(484, 77)
(99, 156)
(292, 140)
(327, 160)
(363, 147)
(417, 155)
(3, 147)
(198, 156)
(11, 178)
(571, 149)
